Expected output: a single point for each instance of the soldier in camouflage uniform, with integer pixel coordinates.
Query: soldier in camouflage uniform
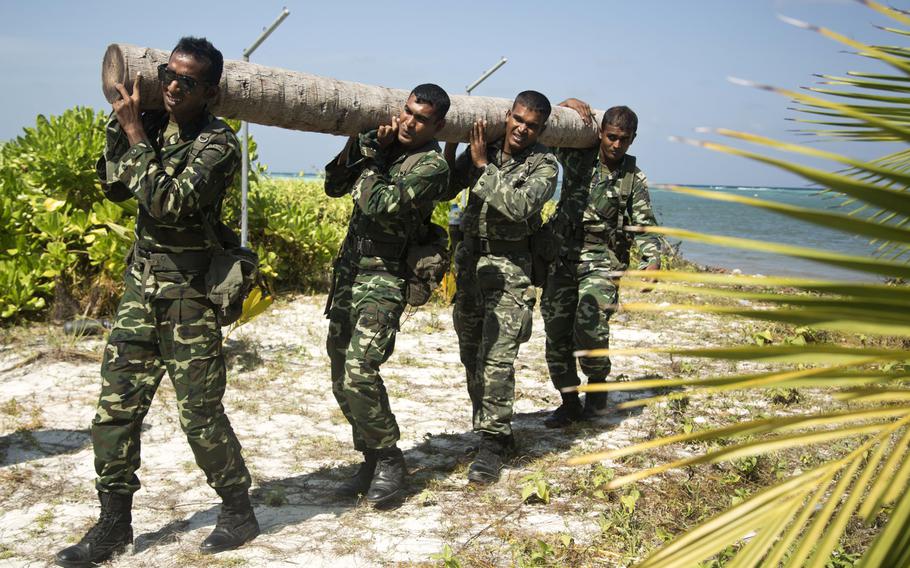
(510, 180)
(395, 176)
(602, 192)
(178, 173)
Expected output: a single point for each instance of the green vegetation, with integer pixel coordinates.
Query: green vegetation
(60, 242)
(296, 229)
(63, 245)
(848, 504)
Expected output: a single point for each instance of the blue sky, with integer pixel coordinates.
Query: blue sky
(669, 60)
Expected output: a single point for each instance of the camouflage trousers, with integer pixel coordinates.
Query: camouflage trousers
(179, 336)
(364, 316)
(494, 301)
(577, 302)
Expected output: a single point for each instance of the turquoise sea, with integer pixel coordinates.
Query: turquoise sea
(716, 217)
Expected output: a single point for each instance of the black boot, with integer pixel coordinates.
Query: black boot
(488, 461)
(236, 524)
(359, 484)
(110, 535)
(595, 405)
(388, 480)
(568, 412)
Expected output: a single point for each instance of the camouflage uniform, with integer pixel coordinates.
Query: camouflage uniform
(581, 294)
(164, 322)
(391, 198)
(494, 297)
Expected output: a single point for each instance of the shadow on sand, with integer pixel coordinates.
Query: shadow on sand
(27, 445)
(304, 496)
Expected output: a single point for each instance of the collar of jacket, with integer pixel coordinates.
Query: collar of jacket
(193, 130)
(494, 151)
(430, 145)
(608, 174)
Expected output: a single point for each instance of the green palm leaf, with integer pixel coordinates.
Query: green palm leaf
(801, 520)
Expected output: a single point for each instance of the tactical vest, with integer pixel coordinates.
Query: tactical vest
(370, 238)
(570, 213)
(503, 228)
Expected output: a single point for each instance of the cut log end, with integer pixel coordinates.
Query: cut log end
(121, 63)
(113, 71)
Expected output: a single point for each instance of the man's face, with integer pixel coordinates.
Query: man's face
(523, 127)
(417, 123)
(614, 143)
(178, 100)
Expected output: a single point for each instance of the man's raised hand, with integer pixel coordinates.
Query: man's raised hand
(582, 108)
(387, 133)
(479, 144)
(128, 111)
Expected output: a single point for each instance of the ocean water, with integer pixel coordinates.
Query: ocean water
(717, 217)
(720, 218)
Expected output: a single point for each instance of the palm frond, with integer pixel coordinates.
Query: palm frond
(800, 521)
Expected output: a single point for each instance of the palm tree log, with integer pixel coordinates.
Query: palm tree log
(300, 101)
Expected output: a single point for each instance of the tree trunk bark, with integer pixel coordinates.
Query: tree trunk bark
(300, 101)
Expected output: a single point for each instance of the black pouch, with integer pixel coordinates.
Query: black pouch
(544, 249)
(426, 263)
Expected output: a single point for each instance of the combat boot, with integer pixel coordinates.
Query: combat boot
(488, 462)
(595, 405)
(359, 484)
(236, 524)
(388, 479)
(568, 412)
(110, 535)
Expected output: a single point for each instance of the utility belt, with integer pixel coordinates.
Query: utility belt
(152, 262)
(578, 236)
(368, 247)
(360, 247)
(499, 247)
(190, 261)
(617, 241)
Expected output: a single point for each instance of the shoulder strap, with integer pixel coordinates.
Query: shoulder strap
(420, 225)
(202, 140)
(410, 162)
(199, 144)
(625, 186)
(625, 190)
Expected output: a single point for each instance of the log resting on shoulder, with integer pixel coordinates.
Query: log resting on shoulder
(300, 101)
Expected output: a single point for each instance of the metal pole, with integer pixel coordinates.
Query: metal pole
(244, 182)
(245, 127)
(486, 74)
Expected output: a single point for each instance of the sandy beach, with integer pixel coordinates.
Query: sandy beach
(297, 445)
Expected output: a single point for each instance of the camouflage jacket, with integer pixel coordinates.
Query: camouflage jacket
(393, 196)
(590, 216)
(507, 195)
(172, 194)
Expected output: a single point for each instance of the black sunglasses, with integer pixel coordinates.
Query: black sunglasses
(166, 76)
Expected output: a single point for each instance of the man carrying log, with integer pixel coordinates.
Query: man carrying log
(178, 174)
(395, 175)
(602, 193)
(509, 181)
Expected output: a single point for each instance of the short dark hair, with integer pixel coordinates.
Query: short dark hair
(201, 48)
(433, 95)
(621, 117)
(532, 100)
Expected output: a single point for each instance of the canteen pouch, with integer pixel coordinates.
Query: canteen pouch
(232, 273)
(230, 278)
(426, 263)
(544, 249)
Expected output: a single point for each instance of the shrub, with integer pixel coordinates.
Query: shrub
(58, 239)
